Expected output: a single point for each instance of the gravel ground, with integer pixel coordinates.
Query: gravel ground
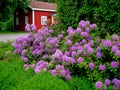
(10, 37)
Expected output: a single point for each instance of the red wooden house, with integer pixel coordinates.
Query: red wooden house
(37, 13)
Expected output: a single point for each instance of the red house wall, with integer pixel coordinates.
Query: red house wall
(38, 14)
(21, 15)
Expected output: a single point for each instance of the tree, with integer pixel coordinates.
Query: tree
(7, 8)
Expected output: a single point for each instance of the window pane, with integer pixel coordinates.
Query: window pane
(43, 20)
(26, 19)
(17, 21)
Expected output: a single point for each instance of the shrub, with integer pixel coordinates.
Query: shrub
(78, 53)
(80, 83)
(12, 73)
(43, 81)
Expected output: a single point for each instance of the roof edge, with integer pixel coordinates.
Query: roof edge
(41, 9)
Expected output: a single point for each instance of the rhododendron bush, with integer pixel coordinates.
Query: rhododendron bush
(77, 53)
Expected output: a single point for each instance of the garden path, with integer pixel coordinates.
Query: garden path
(11, 37)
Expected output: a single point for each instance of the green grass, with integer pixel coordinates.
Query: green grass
(13, 32)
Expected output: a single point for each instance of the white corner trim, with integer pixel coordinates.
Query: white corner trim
(33, 18)
(42, 9)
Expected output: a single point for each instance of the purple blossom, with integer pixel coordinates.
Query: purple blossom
(114, 64)
(60, 36)
(87, 23)
(114, 49)
(98, 49)
(79, 30)
(54, 72)
(107, 43)
(79, 51)
(98, 84)
(73, 54)
(76, 44)
(68, 42)
(63, 72)
(102, 67)
(84, 41)
(26, 66)
(82, 24)
(72, 61)
(27, 27)
(98, 40)
(68, 77)
(98, 54)
(84, 34)
(115, 37)
(90, 50)
(91, 65)
(80, 59)
(73, 48)
(107, 82)
(86, 46)
(33, 27)
(25, 59)
(117, 53)
(67, 53)
(87, 29)
(93, 26)
(41, 44)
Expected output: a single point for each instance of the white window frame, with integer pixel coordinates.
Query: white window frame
(43, 20)
(17, 21)
(26, 20)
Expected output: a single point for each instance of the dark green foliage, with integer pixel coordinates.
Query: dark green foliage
(80, 83)
(6, 26)
(43, 81)
(105, 13)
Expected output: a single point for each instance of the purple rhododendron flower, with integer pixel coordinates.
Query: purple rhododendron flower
(84, 34)
(33, 27)
(91, 65)
(84, 41)
(114, 48)
(87, 29)
(107, 82)
(117, 53)
(54, 72)
(80, 59)
(79, 30)
(63, 72)
(68, 77)
(68, 42)
(114, 64)
(102, 67)
(115, 37)
(73, 54)
(98, 85)
(27, 27)
(86, 46)
(93, 26)
(90, 50)
(87, 23)
(98, 54)
(107, 43)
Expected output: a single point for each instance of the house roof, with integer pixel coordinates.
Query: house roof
(37, 5)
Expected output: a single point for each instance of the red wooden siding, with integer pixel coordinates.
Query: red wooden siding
(21, 15)
(37, 17)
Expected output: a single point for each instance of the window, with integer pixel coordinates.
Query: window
(16, 13)
(43, 20)
(26, 11)
(17, 21)
(26, 20)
